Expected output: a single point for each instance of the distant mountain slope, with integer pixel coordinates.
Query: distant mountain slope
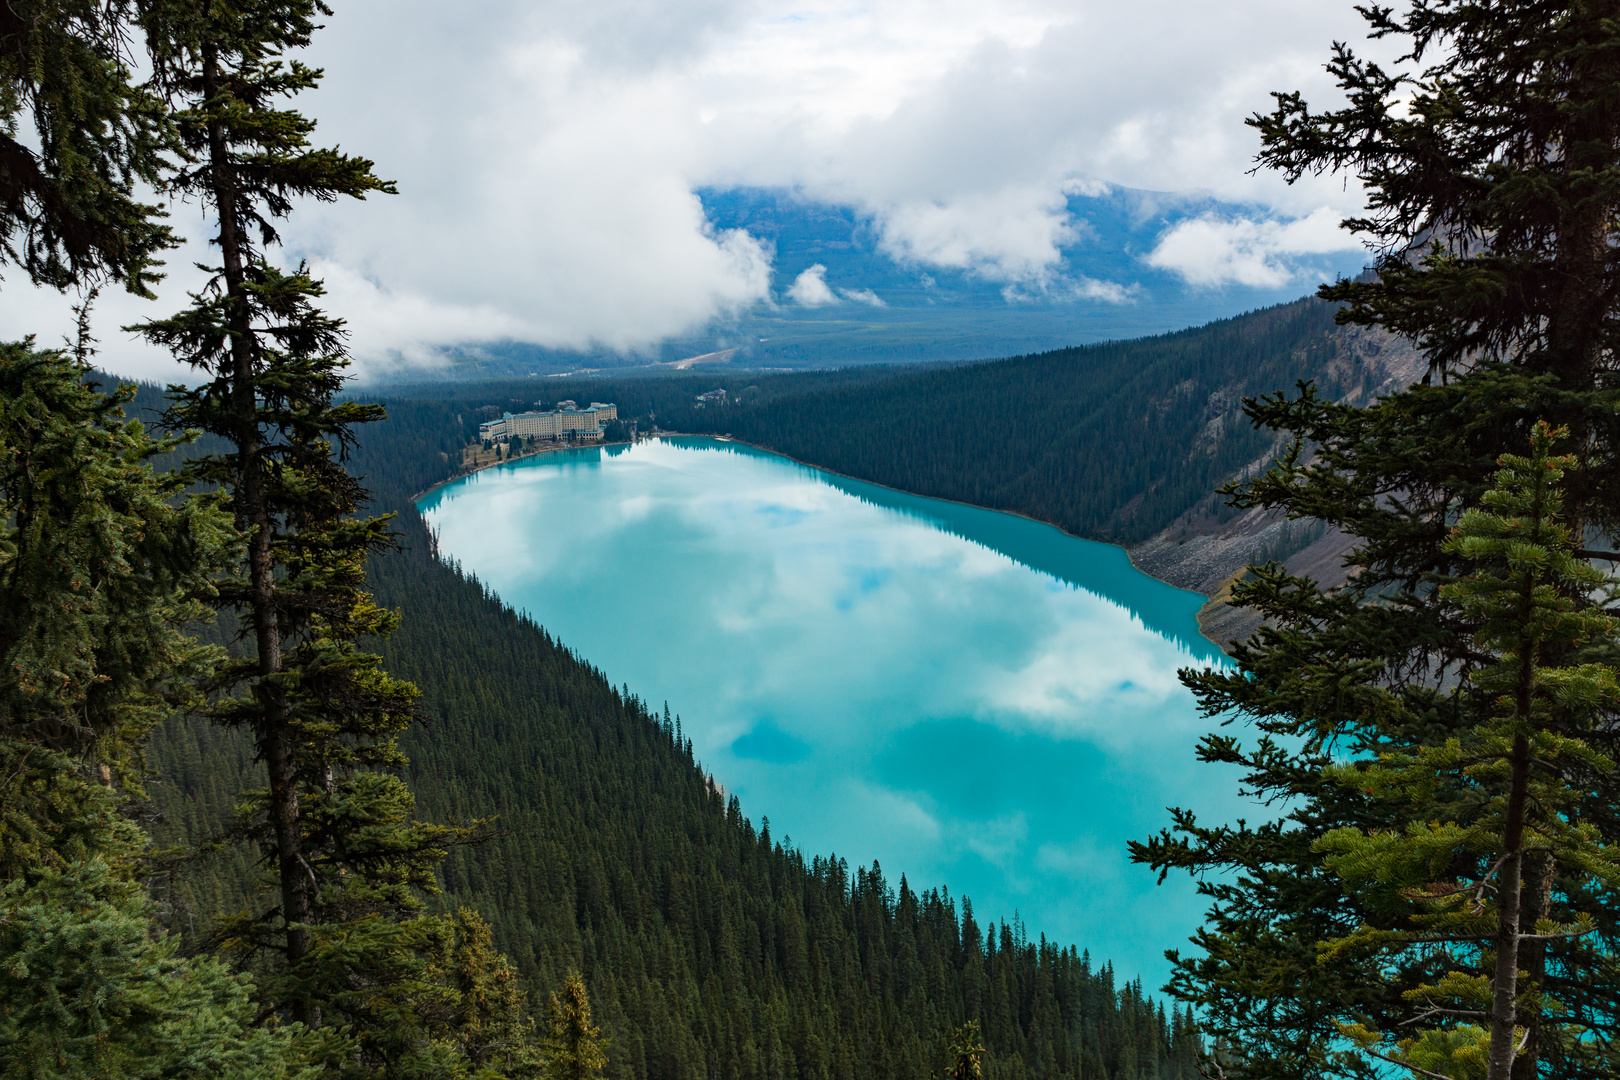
(1208, 547)
(1110, 441)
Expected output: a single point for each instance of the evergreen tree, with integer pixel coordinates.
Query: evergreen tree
(100, 564)
(489, 1023)
(965, 1051)
(86, 992)
(574, 1048)
(1522, 770)
(345, 939)
(1491, 158)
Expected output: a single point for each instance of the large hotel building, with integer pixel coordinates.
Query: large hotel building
(566, 421)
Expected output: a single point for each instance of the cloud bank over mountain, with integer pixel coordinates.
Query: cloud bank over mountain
(547, 153)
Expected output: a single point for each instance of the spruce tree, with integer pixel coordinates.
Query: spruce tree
(1491, 156)
(101, 564)
(87, 991)
(1523, 772)
(489, 1024)
(965, 1052)
(344, 939)
(573, 1048)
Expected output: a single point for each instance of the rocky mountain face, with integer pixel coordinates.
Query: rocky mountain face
(1210, 547)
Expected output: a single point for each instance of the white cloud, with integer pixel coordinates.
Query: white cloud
(1211, 251)
(400, 325)
(810, 288)
(546, 150)
(1007, 235)
(1109, 292)
(863, 296)
(48, 315)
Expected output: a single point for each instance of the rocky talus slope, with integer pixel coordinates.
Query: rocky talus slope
(1210, 547)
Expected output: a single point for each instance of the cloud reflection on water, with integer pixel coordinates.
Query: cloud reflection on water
(972, 698)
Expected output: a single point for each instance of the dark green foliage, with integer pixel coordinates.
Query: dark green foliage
(68, 211)
(99, 570)
(87, 993)
(1492, 158)
(98, 565)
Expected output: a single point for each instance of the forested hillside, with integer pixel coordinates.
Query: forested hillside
(710, 949)
(1109, 441)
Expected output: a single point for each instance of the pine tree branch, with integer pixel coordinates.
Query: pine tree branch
(1407, 1065)
(20, 767)
(1436, 1010)
(1480, 886)
(1558, 936)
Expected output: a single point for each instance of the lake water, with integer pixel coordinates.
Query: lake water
(971, 698)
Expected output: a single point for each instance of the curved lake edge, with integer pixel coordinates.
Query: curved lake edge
(447, 481)
(1013, 846)
(1204, 627)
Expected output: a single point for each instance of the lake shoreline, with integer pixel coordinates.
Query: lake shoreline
(836, 645)
(430, 489)
(831, 472)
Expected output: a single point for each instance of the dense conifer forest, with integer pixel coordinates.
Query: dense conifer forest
(710, 949)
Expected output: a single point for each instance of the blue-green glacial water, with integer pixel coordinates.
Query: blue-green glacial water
(971, 698)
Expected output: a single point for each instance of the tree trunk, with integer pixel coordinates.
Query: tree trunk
(1578, 320)
(1538, 879)
(254, 516)
(1504, 983)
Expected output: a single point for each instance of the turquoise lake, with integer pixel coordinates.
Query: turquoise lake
(970, 698)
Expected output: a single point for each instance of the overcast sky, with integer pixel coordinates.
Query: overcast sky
(546, 151)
